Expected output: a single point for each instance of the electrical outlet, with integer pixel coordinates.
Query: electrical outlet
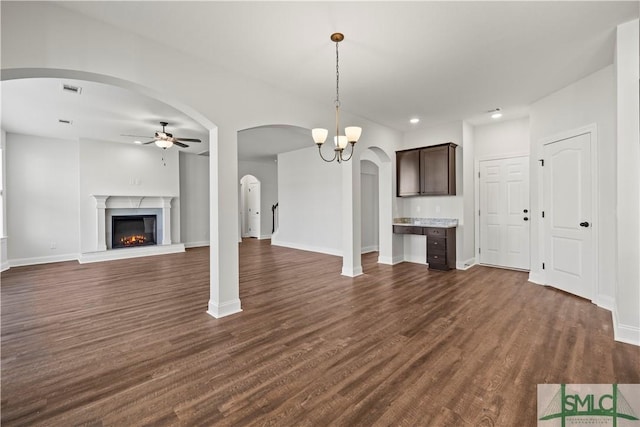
(53, 245)
(437, 209)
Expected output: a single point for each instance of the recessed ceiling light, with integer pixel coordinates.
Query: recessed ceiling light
(495, 114)
(414, 120)
(137, 142)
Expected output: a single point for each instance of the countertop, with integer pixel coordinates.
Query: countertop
(426, 222)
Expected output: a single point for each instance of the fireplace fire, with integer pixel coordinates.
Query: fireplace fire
(133, 230)
(133, 240)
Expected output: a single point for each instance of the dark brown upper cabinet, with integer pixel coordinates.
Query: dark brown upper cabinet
(408, 173)
(427, 171)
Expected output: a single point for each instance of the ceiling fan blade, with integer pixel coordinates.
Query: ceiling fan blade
(150, 142)
(137, 136)
(188, 139)
(180, 144)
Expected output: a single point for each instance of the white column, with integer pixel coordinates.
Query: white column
(224, 288)
(166, 220)
(101, 238)
(351, 218)
(626, 312)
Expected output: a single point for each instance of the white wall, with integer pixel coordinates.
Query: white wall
(369, 211)
(310, 202)
(267, 173)
(194, 200)
(627, 293)
(415, 248)
(587, 101)
(468, 227)
(507, 138)
(42, 199)
(112, 169)
(4, 260)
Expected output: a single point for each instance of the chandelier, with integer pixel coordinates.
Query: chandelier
(351, 133)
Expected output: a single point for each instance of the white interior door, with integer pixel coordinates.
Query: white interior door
(253, 208)
(504, 212)
(568, 233)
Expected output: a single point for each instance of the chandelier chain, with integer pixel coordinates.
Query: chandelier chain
(337, 78)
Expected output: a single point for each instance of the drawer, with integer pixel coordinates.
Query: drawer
(436, 244)
(407, 229)
(436, 258)
(435, 232)
(437, 262)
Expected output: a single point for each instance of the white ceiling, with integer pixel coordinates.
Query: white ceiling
(103, 112)
(439, 61)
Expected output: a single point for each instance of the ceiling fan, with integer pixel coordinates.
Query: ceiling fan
(164, 139)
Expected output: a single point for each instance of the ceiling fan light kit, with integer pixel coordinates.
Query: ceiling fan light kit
(351, 133)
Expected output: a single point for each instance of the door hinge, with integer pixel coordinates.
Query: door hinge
(478, 212)
(479, 250)
(541, 162)
(542, 214)
(543, 265)
(478, 174)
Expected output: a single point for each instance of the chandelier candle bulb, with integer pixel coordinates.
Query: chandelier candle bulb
(353, 133)
(340, 141)
(319, 135)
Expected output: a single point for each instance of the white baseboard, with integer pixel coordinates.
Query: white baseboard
(415, 260)
(605, 301)
(196, 244)
(310, 248)
(390, 260)
(265, 237)
(536, 278)
(125, 253)
(352, 272)
(228, 308)
(42, 260)
(466, 264)
(4, 266)
(369, 249)
(625, 333)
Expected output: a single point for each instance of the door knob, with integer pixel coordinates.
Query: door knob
(584, 224)
(526, 218)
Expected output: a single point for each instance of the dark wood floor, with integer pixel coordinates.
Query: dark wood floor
(129, 343)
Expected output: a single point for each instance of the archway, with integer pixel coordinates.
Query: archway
(224, 287)
(379, 158)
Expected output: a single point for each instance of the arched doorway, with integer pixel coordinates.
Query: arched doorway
(382, 161)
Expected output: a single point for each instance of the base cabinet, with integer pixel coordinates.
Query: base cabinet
(441, 248)
(441, 244)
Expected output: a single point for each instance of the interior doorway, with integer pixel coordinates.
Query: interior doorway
(250, 206)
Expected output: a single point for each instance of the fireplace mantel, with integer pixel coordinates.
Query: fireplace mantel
(104, 202)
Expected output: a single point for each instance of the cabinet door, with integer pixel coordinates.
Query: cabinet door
(438, 171)
(408, 173)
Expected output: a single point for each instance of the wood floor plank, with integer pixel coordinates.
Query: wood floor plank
(129, 343)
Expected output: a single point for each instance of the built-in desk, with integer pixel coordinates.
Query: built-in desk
(440, 239)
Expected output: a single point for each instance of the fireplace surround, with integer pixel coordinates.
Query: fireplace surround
(108, 206)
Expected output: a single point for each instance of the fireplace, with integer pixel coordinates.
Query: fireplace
(133, 230)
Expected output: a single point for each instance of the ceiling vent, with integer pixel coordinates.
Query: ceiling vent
(65, 121)
(71, 89)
